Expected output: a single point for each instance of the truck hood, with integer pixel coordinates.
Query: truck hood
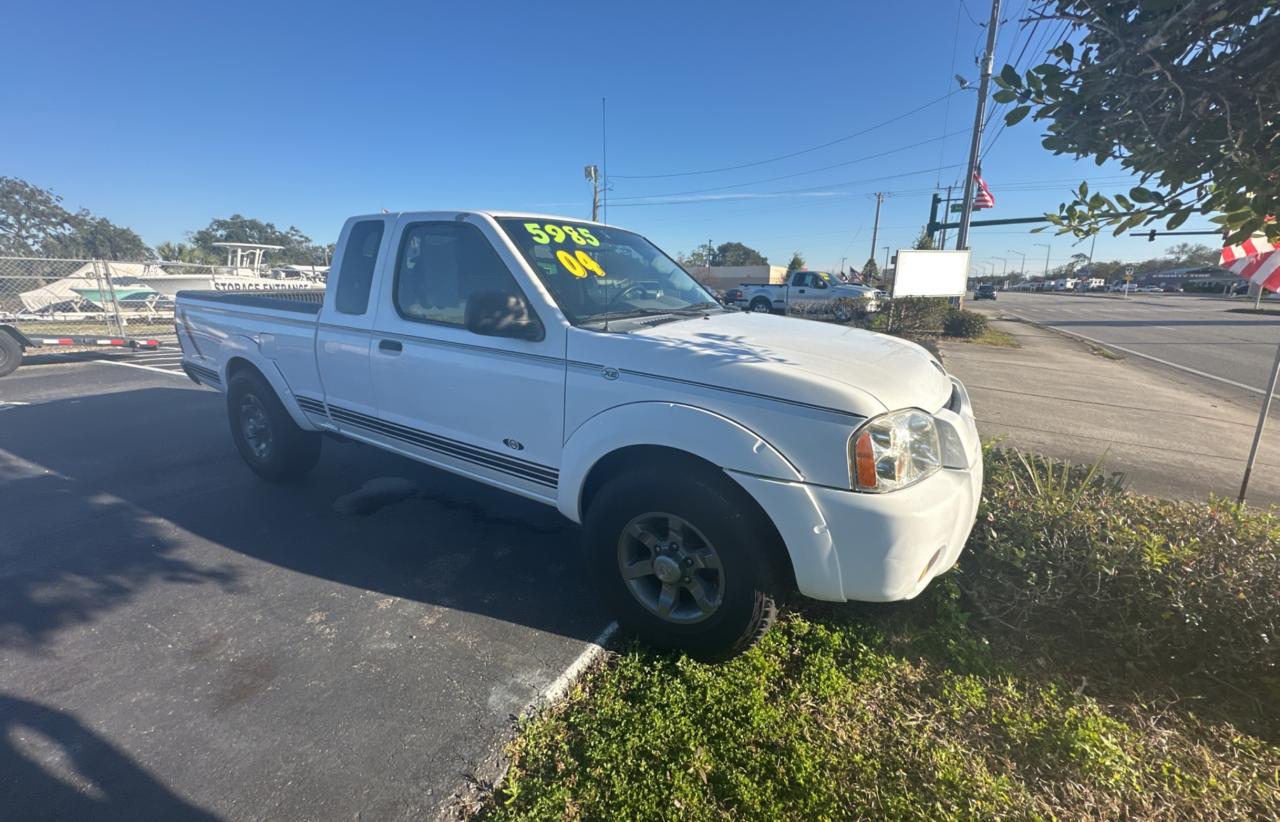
(822, 364)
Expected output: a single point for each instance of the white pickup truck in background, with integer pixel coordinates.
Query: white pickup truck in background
(714, 459)
(810, 293)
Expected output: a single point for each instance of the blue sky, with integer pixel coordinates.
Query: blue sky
(161, 116)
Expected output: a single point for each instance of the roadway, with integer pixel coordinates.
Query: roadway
(1197, 335)
(179, 640)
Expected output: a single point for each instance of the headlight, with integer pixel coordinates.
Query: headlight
(894, 451)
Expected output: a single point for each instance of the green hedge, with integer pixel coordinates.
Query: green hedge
(1081, 568)
(963, 323)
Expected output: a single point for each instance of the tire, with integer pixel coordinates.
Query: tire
(843, 311)
(268, 439)
(699, 510)
(10, 354)
(762, 305)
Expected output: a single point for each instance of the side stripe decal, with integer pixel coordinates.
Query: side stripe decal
(523, 469)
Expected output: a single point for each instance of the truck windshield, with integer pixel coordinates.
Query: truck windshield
(598, 274)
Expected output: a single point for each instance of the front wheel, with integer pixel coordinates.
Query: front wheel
(268, 439)
(682, 559)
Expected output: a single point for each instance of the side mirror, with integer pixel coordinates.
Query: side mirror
(820, 284)
(502, 314)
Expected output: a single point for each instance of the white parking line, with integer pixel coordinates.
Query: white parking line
(556, 691)
(168, 371)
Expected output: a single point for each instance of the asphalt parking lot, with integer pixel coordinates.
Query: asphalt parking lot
(180, 640)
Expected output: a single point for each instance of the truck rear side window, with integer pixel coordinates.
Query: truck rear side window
(440, 265)
(358, 262)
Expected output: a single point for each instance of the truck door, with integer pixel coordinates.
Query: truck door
(343, 335)
(487, 406)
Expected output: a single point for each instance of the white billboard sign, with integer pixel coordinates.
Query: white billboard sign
(931, 273)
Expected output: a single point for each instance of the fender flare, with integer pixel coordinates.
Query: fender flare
(697, 431)
(245, 348)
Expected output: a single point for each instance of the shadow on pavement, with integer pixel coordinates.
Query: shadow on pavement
(82, 776)
(85, 523)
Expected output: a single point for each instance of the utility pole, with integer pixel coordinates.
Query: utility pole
(592, 173)
(886, 259)
(945, 211)
(875, 229)
(842, 266)
(966, 212)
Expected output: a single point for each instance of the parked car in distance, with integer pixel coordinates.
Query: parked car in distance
(986, 291)
(715, 459)
(1151, 289)
(813, 293)
(731, 297)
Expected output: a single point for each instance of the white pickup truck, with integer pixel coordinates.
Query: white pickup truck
(715, 459)
(810, 293)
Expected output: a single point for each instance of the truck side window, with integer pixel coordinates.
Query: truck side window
(440, 265)
(358, 262)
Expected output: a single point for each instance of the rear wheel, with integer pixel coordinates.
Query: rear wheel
(268, 439)
(681, 559)
(761, 305)
(10, 354)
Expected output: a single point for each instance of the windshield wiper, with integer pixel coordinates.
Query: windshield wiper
(630, 314)
(696, 308)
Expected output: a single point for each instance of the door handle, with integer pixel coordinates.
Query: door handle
(390, 345)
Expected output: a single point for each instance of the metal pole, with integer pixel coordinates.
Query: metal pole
(946, 211)
(966, 213)
(875, 228)
(1262, 422)
(886, 257)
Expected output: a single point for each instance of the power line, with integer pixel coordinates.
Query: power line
(805, 190)
(866, 130)
(793, 174)
(1057, 40)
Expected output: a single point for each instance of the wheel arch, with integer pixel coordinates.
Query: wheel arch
(241, 361)
(622, 459)
(671, 427)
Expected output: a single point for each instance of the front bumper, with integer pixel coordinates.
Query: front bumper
(878, 547)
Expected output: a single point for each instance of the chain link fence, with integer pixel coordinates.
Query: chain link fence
(44, 297)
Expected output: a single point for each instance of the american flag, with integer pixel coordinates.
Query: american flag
(1256, 259)
(983, 198)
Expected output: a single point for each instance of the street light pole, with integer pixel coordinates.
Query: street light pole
(886, 257)
(1023, 265)
(1047, 248)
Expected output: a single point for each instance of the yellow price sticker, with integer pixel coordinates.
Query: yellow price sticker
(579, 263)
(548, 233)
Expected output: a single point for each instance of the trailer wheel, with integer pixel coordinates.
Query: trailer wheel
(268, 439)
(10, 354)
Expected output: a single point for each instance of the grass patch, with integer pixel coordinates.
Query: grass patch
(1254, 310)
(1098, 654)
(994, 337)
(1102, 351)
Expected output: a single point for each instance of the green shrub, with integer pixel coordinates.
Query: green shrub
(961, 322)
(914, 315)
(1082, 569)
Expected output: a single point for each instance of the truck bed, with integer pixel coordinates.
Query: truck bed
(299, 301)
